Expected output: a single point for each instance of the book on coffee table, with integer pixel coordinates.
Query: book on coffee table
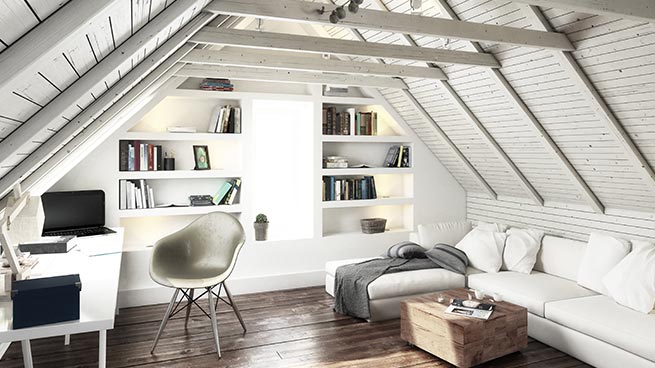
(470, 308)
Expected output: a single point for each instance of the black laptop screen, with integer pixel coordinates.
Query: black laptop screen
(72, 210)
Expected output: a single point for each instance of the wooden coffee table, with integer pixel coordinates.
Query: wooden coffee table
(462, 341)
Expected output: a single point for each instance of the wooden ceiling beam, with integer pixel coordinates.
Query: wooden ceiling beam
(106, 101)
(288, 76)
(600, 107)
(309, 12)
(540, 132)
(39, 46)
(639, 10)
(296, 61)
(39, 122)
(323, 45)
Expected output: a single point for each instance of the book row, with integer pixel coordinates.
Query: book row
(225, 119)
(135, 194)
(227, 193)
(216, 84)
(397, 156)
(343, 189)
(137, 156)
(349, 122)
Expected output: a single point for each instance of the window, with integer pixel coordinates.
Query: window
(282, 178)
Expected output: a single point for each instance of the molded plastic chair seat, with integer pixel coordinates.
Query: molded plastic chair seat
(200, 256)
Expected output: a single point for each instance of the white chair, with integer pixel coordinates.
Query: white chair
(200, 256)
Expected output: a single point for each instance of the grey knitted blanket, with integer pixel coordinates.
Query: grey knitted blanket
(351, 282)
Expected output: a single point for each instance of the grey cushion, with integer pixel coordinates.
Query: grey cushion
(449, 258)
(406, 249)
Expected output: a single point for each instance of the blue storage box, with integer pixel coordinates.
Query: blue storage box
(46, 300)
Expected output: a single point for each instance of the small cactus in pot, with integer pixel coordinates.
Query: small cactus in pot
(261, 227)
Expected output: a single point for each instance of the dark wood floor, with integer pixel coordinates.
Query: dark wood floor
(294, 328)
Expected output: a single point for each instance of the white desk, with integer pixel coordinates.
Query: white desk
(98, 260)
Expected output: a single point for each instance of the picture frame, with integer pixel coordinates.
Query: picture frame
(201, 158)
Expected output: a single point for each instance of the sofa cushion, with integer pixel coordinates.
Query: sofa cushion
(600, 317)
(528, 290)
(560, 257)
(449, 257)
(445, 233)
(484, 249)
(414, 283)
(602, 254)
(521, 249)
(632, 282)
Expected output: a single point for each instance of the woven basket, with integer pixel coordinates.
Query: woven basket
(373, 225)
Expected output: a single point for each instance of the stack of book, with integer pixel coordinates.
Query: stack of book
(227, 193)
(137, 156)
(398, 156)
(470, 308)
(225, 119)
(366, 123)
(337, 123)
(343, 189)
(136, 194)
(335, 162)
(216, 84)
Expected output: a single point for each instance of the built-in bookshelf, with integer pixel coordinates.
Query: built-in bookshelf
(361, 134)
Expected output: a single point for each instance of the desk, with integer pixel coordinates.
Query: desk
(98, 260)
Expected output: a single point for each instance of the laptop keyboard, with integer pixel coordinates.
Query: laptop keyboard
(80, 232)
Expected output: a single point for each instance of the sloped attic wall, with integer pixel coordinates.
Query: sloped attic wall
(617, 56)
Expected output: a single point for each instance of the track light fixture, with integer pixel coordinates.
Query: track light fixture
(340, 12)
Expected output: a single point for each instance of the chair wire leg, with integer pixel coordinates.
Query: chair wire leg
(188, 308)
(234, 307)
(212, 315)
(165, 320)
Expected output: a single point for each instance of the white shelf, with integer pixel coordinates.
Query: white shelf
(359, 233)
(179, 211)
(165, 136)
(366, 138)
(338, 100)
(368, 202)
(179, 174)
(367, 171)
(234, 95)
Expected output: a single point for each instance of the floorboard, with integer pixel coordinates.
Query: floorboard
(292, 328)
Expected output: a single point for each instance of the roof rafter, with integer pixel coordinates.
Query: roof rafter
(39, 46)
(322, 45)
(640, 10)
(38, 123)
(601, 109)
(309, 12)
(290, 76)
(297, 61)
(94, 111)
(479, 127)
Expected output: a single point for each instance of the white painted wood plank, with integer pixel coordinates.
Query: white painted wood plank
(641, 10)
(263, 74)
(33, 51)
(393, 22)
(287, 42)
(70, 96)
(107, 104)
(296, 61)
(45, 8)
(15, 20)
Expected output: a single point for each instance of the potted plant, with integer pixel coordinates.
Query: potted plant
(261, 227)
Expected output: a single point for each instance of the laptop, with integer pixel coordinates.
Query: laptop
(80, 213)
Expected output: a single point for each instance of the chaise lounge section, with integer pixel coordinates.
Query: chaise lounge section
(587, 325)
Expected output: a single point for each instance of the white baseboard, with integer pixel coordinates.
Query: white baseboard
(156, 295)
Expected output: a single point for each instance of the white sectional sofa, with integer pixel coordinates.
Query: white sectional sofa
(562, 314)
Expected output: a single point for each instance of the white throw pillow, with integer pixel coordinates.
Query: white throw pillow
(521, 249)
(602, 254)
(491, 226)
(484, 249)
(449, 233)
(632, 281)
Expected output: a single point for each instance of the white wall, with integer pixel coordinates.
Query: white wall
(274, 264)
